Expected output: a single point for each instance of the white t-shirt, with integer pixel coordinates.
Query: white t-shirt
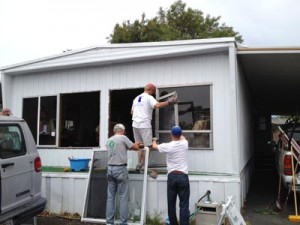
(176, 154)
(142, 109)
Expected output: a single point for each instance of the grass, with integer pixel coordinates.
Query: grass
(59, 169)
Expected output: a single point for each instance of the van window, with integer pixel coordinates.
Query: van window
(11, 141)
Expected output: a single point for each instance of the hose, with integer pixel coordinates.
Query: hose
(206, 194)
(193, 215)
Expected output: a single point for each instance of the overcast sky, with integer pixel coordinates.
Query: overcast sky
(31, 29)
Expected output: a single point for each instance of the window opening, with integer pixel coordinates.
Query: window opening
(47, 124)
(30, 114)
(79, 115)
(79, 121)
(120, 109)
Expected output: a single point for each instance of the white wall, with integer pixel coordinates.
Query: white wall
(204, 69)
(65, 192)
(245, 128)
(225, 168)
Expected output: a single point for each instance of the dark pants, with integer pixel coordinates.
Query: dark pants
(178, 184)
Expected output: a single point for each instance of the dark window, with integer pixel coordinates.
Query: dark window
(47, 125)
(30, 114)
(80, 119)
(120, 109)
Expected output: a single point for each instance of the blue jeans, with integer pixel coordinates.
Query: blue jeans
(118, 182)
(178, 184)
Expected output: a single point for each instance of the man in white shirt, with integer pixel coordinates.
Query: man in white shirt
(178, 181)
(141, 110)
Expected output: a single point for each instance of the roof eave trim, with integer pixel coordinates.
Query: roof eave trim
(129, 45)
(122, 59)
(267, 50)
(47, 58)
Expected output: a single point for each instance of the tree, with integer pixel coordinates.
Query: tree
(175, 23)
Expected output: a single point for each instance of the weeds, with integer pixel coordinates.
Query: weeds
(155, 219)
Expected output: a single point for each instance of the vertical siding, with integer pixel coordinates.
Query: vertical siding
(246, 131)
(59, 157)
(64, 192)
(204, 69)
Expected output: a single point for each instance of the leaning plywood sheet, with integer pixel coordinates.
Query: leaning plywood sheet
(96, 193)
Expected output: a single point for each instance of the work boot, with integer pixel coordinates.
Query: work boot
(153, 173)
(138, 167)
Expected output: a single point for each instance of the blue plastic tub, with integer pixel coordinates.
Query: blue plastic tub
(79, 164)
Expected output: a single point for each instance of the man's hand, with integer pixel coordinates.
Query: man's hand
(141, 145)
(154, 144)
(172, 100)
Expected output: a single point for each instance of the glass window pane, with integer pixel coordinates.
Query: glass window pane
(194, 113)
(47, 127)
(198, 140)
(11, 141)
(30, 113)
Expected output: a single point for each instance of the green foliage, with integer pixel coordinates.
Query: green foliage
(176, 23)
(155, 220)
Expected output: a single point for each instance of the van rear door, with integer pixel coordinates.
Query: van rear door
(16, 167)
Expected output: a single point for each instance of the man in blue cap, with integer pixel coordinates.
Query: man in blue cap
(178, 181)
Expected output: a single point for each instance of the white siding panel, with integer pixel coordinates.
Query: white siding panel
(95, 79)
(194, 195)
(62, 191)
(60, 157)
(245, 122)
(204, 69)
(233, 189)
(61, 84)
(161, 200)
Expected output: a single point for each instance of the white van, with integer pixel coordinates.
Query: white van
(20, 171)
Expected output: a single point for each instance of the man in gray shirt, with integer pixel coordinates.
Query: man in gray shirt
(117, 174)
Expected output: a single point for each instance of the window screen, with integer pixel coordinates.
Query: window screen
(95, 201)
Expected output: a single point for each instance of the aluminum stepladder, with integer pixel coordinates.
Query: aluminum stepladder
(230, 212)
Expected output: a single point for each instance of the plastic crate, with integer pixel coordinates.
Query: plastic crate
(79, 164)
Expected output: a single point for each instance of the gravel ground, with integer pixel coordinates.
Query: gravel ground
(43, 220)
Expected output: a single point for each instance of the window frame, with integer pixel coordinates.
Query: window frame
(57, 124)
(58, 118)
(177, 117)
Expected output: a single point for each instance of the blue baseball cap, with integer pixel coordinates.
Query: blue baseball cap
(176, 131)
